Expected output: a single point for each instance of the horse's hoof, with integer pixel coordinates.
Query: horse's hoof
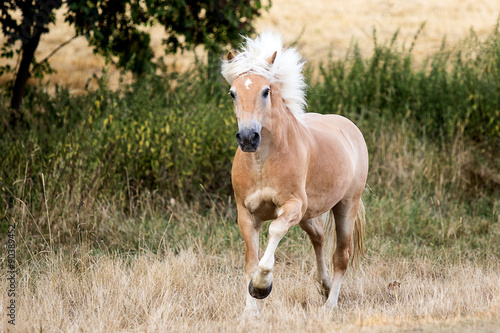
(324, 290)
(330, 306)
(259, 293)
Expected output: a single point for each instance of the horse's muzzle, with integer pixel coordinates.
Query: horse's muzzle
(248, 139)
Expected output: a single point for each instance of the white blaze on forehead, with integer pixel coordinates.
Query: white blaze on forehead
(248, 82)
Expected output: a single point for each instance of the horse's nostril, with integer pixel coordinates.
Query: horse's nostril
(255, 138)
(248, 139)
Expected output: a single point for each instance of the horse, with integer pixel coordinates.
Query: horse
(292, 167)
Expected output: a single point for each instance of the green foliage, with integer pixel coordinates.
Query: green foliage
(105, 165)
(28, 29)
(117, 28)
(213, 23)
(115, 144)
(112, 28)
(452, 93)
(187, 24)
(36, 16)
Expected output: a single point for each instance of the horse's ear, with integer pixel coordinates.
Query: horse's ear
(271, 59)
(230, 56)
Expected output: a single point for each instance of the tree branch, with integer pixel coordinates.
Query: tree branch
(54, 52)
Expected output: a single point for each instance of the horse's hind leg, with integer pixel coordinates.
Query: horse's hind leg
(314, 228)
(345, 214)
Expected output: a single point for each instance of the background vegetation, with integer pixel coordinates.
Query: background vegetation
(171, 136)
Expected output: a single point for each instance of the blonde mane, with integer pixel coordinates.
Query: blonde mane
(286, 69)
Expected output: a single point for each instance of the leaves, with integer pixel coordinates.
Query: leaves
(452, 94)
(114, 27)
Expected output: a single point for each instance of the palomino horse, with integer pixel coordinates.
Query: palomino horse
(291, 167)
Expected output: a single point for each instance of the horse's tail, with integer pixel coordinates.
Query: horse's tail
(359, 229)
(330, 236)
(357, 241)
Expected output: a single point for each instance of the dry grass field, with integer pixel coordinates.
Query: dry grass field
(320, 28)
(191, 278)
(194, 291)
(195, 284)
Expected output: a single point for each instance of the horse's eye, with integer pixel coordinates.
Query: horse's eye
(265, 93)
(233, 95)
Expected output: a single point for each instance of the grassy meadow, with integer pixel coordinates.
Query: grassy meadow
(125, 220)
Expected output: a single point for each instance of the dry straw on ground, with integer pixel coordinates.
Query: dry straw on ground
(194, 291)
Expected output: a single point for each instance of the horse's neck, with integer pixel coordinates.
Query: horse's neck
(279, 134)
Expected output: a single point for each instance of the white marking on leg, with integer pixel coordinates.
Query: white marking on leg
(248, 82)
(264, 275)
(251, 303)
(280, 211)
(322, 273)
(332, 301)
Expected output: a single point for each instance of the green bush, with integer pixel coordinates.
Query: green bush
(453, 93)
(149, 135)
(172, 133)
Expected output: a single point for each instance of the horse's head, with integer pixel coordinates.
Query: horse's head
(251, 94)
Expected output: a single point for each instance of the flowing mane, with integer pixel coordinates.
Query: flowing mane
(286, 69)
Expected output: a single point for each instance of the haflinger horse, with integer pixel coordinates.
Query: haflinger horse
(292, 167)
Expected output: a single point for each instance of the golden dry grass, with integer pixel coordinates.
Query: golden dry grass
(330, 26)
(321, 28)
(195, 291)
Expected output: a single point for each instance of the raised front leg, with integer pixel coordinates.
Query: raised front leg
(261, 284)
(250, 231)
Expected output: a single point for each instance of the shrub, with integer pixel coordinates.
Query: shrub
(452, 93)
(169, 134)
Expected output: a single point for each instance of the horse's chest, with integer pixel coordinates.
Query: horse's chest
(261, 202)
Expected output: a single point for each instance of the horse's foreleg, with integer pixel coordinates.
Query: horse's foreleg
(250, 231)
(314, 228)
(345, 215)
(261, 284)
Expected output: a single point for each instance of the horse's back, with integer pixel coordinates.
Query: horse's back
(337, 130)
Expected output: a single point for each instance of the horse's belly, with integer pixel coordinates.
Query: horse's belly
(319, 204)
(325, 192)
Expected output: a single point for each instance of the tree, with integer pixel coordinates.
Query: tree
(113, 28)
(35, 18)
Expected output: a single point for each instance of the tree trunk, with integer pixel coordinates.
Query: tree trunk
(212, 65)
(23, 73)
